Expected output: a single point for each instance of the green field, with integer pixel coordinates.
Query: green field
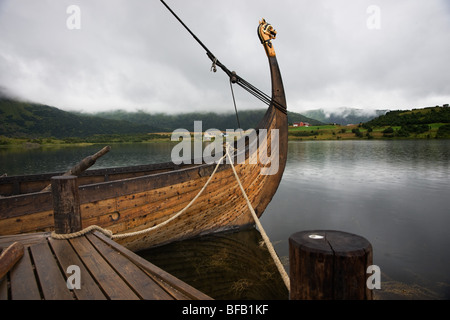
(95, 139)
(325, 132)
(337, 132)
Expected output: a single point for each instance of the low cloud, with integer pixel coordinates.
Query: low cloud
(134, 55)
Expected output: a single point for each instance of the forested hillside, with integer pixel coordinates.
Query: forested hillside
(413, 117)
(413, 123)
(21, 119)
(247, 119)
(31, 120)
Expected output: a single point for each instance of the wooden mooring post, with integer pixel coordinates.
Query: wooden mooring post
(329, 265)
(66, 204)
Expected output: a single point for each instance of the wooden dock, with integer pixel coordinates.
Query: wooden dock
(107, 270)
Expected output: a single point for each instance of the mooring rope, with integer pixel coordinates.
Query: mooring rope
(109, 233)
(266, 239)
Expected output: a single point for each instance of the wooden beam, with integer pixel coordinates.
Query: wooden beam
(9, 257)
(66, 204)
(82, 166)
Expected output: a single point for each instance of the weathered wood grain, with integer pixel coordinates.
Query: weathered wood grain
(9, 257)
(106, 271)
(111, 283)
(66, 257)
(52, 281)
(66, 204)
(328, 264)
(23, 281)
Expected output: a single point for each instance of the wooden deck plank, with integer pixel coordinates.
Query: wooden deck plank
(111, 283)
(52, 281)
(26, 239)
(3, 288)
(169, 281)
(108, 271)
(23, 280)
(176, 294)
(66, 255)
(145, 286)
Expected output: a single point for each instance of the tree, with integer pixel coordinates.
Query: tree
(443, 132)
(357, 133)
(388, 132)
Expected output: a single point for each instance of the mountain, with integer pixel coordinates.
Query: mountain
(31, 120)
(422, 116)
(344, 115)
(297, 117)
(247, 119)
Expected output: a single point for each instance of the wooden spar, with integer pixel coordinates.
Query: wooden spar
(9, 257)
(82, 166)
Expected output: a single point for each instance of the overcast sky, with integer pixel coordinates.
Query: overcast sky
(133, 54)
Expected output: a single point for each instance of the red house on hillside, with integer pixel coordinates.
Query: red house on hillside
(301, 124)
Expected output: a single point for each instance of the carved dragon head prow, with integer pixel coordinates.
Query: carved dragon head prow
(267, 33)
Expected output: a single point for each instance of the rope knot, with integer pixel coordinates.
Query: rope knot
(65, 236)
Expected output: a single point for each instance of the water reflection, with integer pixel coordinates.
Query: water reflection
(231, 266)
(20, 161)
(394, 193)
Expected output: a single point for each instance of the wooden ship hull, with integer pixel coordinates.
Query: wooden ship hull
(225, 266)
(129, 199)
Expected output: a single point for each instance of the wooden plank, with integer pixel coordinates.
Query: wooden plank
(67, 256)
(26, 239)
(21, 205)
(145, 286)
(168, 287)
(36, 182)
(142, 210)
(36, 222)
(3, 288)
(112, 189)
(174, 282)
(53, 283)
(111, 283)
(23, 280)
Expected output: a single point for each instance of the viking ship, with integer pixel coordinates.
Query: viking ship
(129, 199)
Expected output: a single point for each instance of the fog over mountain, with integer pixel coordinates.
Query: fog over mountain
(134, 55)
(344, 115)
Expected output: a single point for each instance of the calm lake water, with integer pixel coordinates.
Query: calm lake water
(395, 193)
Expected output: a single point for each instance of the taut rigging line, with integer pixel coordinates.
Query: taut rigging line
(234, 78)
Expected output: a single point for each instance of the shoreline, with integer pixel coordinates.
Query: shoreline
(313, 133)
